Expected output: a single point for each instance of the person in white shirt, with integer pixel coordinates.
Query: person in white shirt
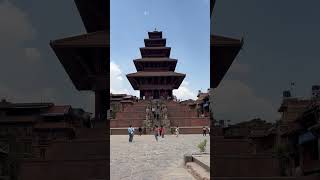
(177, 131)
(131, 133)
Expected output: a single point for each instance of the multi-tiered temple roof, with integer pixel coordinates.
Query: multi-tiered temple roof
(155, 77)
(86, 57)
(223, 51)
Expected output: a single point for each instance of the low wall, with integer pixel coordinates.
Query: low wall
(181, 122)
(63, 170)
(245, 166)
(224, 146)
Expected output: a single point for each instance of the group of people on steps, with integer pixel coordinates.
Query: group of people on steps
(158, 131)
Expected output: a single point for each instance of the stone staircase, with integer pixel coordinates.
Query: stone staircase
(187, 119)
(177, 114)
(198, 165)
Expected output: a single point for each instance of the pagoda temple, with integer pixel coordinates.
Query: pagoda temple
(155, 77)
(86, 57)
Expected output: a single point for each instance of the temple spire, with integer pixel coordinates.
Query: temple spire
(155, 77)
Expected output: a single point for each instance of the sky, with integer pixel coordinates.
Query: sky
(281, 45)
(185, 25)
(31, 72)
(29, 69)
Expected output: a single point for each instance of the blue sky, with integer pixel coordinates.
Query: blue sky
(185, 24)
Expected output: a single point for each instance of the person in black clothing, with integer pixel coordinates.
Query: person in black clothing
(204, 129)
(140, 131)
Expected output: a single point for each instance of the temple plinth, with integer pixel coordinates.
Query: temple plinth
(155, 77)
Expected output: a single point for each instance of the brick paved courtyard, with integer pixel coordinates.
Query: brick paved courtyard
(146, 159)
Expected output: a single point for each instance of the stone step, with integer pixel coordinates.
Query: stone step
(197, 171)
(178, 173)
(202, 160)
(123, 115)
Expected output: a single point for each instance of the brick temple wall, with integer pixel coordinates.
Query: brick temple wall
(179, 115)
(236, 158)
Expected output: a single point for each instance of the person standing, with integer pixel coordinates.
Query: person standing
(157, 112)
(156, 132)
(130, 132)
(140, 131)
(153, 112)
(162, 131)
(204, 131)
(208, 130)
(177, 131)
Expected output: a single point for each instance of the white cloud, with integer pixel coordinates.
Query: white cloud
(15, 26)
(146, 12)
(236, 101)
(118, 82)
(184, 92)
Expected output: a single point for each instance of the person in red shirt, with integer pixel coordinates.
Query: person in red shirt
(162, 131)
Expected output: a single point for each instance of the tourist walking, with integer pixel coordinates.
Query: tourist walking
(177, 131)
(140, 131)
(208, 130)
(162, 131)
(156, 132)
(204, 131)
(131, 133)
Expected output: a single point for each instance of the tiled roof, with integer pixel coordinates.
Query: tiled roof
(100, 39)
(154, 59)
(53, 125)
(24, 105)
(58, 110)
(216, 40)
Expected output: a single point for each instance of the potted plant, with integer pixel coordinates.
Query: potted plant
(202, 146)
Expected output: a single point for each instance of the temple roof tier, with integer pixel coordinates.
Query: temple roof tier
(155, 74)
(85, 58)
(155, 59)
(155, 42)
(139, 80)
(223, 51)
(216, 40)
(155, 52)
(160, 64)
(155, 34)
(94, 39)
